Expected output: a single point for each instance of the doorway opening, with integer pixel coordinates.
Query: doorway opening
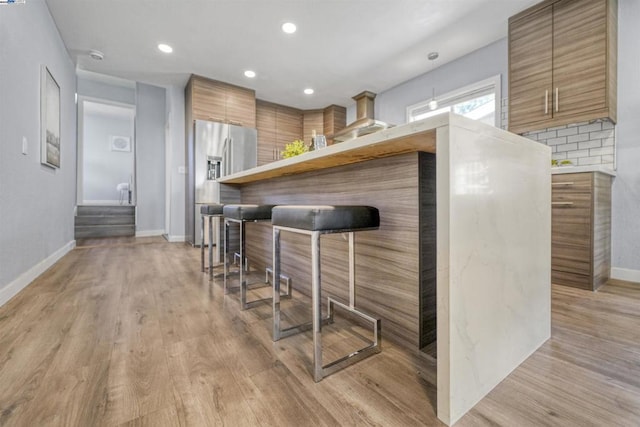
(106, 153)
(106, 191)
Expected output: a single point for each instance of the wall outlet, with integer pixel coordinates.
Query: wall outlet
(25, 146)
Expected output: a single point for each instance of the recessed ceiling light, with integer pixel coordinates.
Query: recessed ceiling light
(250, 74)
(289, 27)
(308, 91)
(165, 48)
(433, 55)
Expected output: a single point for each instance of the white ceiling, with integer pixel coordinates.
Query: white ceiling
(341, 48)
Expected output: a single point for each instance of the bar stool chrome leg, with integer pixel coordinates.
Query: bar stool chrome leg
(226, 252)
(210, 247)
(317, 309)
(202, 243)
(319, 370)
(276, 284)
(209, 211)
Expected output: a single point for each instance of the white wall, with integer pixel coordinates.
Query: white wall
(493, 59)
(104, 87)
(626, 186)
(36, 202)
(390, 106)
(150, 159)
(175, 116)
(104, 168)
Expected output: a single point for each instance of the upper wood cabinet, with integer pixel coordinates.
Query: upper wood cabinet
(335, 119)
(312, 120)
(277, 126)
(208, 99)
(562, 64)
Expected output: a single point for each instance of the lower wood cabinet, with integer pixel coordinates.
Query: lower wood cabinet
(581, 229)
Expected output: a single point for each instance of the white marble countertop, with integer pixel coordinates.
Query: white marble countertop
(579, 169)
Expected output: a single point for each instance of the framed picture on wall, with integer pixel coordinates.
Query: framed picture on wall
(49, 119)
(120, 143)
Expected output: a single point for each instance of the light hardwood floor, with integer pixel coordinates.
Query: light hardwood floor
(129, 332)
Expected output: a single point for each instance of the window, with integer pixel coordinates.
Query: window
(476, 101)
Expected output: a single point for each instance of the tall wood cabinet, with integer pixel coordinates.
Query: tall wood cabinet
(277, 126)
(581, 229)
(562, 64)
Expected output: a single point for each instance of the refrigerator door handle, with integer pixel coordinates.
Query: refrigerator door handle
(225, 156)
(231, 165)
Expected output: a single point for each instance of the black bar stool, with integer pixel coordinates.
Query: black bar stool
(241, 214)
(315, 221)
(210, 212)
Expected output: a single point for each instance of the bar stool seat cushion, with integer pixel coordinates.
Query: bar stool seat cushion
(248, 212)
(326, 218)
(211, 209)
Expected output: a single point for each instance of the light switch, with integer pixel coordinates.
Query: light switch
(25, 146)
(182, 170)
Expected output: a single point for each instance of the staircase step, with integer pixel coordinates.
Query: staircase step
(106, 210)
(106, 220)
(86, 231)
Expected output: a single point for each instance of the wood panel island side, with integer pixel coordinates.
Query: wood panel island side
(462, 256)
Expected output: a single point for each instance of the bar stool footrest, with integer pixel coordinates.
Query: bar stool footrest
(269, 272)
(236, 261)
(357, 355)
(299, 328)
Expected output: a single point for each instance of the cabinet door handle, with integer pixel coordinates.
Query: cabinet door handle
(557, 100)
(562, 203)
(562, 183)
(546, 102)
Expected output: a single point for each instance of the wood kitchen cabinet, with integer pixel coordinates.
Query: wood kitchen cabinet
(327, 121)
(277, 126)
(312, 120)
(208, 99)
(335, 119)
(562, 64)
(581, 229)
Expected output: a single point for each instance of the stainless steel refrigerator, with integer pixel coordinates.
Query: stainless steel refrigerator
(216, 150)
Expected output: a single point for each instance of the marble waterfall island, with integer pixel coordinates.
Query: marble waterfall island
(462, 255)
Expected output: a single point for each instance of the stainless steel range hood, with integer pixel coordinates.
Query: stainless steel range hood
(364, 123)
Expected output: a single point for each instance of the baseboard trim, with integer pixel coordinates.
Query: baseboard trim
(625, 274)
(31, 274)
(175, 239)
(149, 233)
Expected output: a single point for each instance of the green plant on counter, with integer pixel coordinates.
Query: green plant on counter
(555, 162)
(294, 148)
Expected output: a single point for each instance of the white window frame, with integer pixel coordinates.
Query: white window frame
(449, 98)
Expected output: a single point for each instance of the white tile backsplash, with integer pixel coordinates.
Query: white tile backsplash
(586, 143)
(590, 144)
(568, 131)
(567, 147)
(579, 137)
(582, 143)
